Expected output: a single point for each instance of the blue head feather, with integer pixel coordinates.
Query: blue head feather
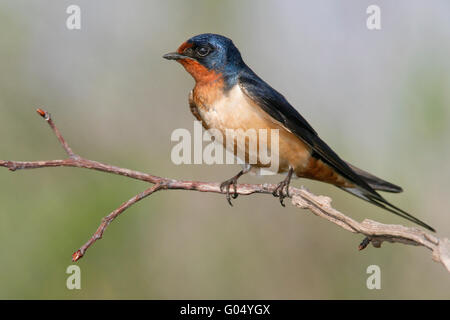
(223, 58)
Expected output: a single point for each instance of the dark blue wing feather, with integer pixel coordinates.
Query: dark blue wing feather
(273, 103)
(280, 109)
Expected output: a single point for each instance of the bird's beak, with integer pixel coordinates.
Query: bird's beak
(173, 56)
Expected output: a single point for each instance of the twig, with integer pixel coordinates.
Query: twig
(48, 118)
(373, 231)
(110, 217)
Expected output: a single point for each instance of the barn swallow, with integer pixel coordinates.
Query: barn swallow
(229, 95)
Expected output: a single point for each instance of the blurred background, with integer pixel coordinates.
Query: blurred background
(381, 99)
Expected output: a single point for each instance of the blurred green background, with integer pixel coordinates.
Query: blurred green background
(379, 98)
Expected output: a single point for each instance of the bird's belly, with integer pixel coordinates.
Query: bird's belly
(237, 112)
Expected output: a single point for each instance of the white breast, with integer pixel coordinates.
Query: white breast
(235, 110)
(232, 111)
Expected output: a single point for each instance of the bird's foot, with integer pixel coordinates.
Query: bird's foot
(225, 186)
(282, 189)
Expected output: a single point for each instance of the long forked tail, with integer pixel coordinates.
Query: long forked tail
(375, 182)
(379, 201)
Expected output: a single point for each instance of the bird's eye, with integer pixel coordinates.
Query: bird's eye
(202, 51)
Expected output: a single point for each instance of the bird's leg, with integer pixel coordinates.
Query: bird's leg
(279, 190)
(233, 181)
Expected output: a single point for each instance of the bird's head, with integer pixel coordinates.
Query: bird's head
(208, 57)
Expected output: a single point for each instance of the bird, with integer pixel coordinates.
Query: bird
(229, 95)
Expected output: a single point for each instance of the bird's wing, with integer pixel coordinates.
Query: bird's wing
(375, 182)
(274, 103)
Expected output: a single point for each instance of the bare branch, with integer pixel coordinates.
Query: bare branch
(48, 118)
(109, 218)
(374, 232)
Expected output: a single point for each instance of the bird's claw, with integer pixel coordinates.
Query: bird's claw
(226, 186)
(280, 191)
